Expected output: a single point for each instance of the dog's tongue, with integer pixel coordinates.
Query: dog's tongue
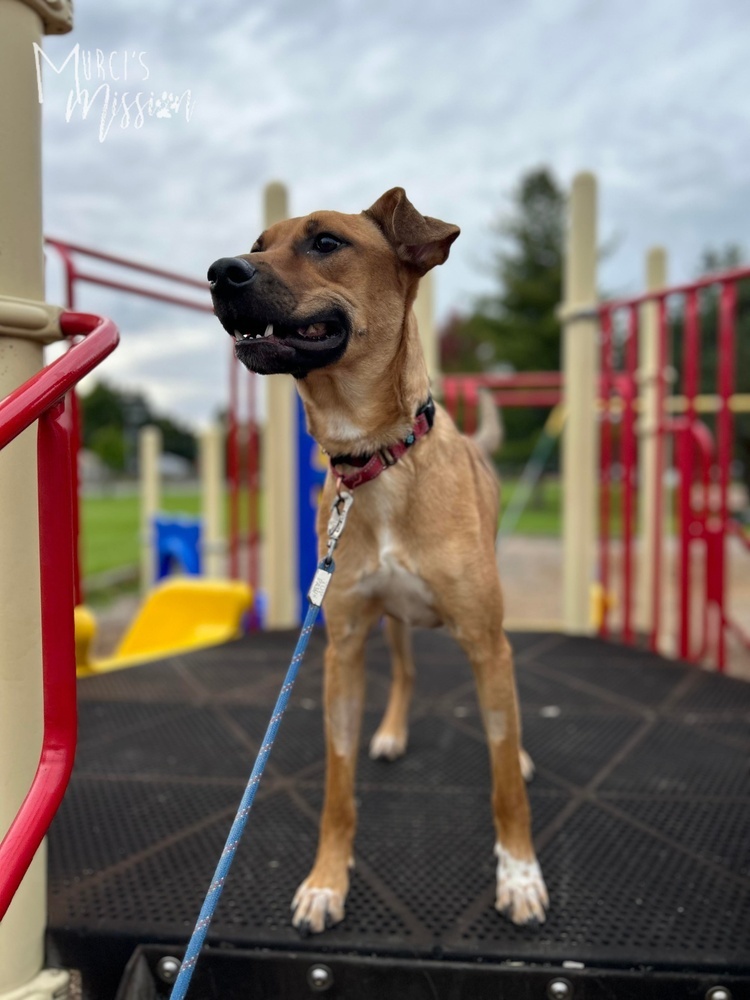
(313, 330)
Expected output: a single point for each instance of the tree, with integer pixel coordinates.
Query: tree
(111, 419)
(520, 321)
(517, 327)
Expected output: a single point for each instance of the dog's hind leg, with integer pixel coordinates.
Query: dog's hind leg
(389, 741)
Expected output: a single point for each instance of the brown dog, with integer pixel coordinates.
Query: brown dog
(328, 298)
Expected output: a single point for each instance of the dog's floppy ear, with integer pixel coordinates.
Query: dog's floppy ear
(419, 240)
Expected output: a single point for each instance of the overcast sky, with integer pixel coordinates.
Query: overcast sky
(342, 99)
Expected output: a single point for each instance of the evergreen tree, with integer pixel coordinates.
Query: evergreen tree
(517, 327)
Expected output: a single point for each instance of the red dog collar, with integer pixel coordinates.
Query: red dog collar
(370, 466)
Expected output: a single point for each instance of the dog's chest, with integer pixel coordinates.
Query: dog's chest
(404, 593)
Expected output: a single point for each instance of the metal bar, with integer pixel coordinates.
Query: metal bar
(27, 403)
(510, 381)
(690, 385)
(146, 293)
(75, 451)
(450, 395)
(724, 427)
(233, 469)
(530, 397)
(471, 404)
(42, 398)
(656, 596)
(253, 484)
(605, 467)
(65, 248)
(736, 274)
(629, 466)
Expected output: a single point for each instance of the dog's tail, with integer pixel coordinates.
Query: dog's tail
(490, 433)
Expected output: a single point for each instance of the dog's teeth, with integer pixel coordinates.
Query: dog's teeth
(269, 330)
(237, 335)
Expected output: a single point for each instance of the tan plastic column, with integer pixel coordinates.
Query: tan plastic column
(656, 278)
(580, 433)
(280, 555)
(149, 453)
(424, 310)
(21, 276)
(212, 501)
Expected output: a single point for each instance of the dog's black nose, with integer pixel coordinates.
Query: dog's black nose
(230, 273)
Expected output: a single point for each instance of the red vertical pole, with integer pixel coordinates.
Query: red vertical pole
(629, 457)
(450, 394)
(605, 460)
(471, 405)
(659, 430)
(724, 427)
(75, 437)
(233, 470)
(252, 482)
(691, 353)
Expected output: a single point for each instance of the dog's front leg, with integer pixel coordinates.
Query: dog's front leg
(319, 901)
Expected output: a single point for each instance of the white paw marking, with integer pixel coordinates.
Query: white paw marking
(316, 908)
(521, 892)
(386, 746)
(527, 765)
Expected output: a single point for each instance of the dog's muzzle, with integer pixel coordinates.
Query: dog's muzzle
(260, 312)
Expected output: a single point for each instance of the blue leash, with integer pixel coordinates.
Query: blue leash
(322, 578)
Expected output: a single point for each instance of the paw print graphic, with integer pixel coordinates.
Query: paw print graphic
(162, 105)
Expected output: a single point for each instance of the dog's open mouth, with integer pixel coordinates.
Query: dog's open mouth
(309, 336)
(271, 345)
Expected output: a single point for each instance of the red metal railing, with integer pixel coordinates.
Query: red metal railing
(242, 449)
(45, 398)
(703, 462)
(243, 473)
(461, 393)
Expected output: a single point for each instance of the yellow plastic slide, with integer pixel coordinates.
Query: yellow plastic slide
(180, 614)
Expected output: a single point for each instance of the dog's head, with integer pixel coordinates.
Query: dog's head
(315, 290)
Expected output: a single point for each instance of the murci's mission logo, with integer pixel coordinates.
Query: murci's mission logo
(107, 86)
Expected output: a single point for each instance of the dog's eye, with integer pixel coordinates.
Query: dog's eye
(325, 243)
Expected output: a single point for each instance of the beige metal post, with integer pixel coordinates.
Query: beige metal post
(212, 500)
(26, 323)
(656, 278)
(149, 453)
(424, 310)
(280, 556)
(580, 433)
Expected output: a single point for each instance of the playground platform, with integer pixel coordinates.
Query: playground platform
(641, 807)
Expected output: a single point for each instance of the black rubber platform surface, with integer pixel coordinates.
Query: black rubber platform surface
(641, 808)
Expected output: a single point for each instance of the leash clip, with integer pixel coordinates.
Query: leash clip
(337, 521)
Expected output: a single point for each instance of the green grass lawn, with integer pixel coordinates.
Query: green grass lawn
(110, 528)
(110, 524)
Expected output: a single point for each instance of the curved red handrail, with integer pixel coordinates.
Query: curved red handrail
(43, 398)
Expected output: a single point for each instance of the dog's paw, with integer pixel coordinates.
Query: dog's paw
(386, 745)
(521, 892)
(527, 765)
(316, 908)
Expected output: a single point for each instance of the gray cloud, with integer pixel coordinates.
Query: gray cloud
(343, 99)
